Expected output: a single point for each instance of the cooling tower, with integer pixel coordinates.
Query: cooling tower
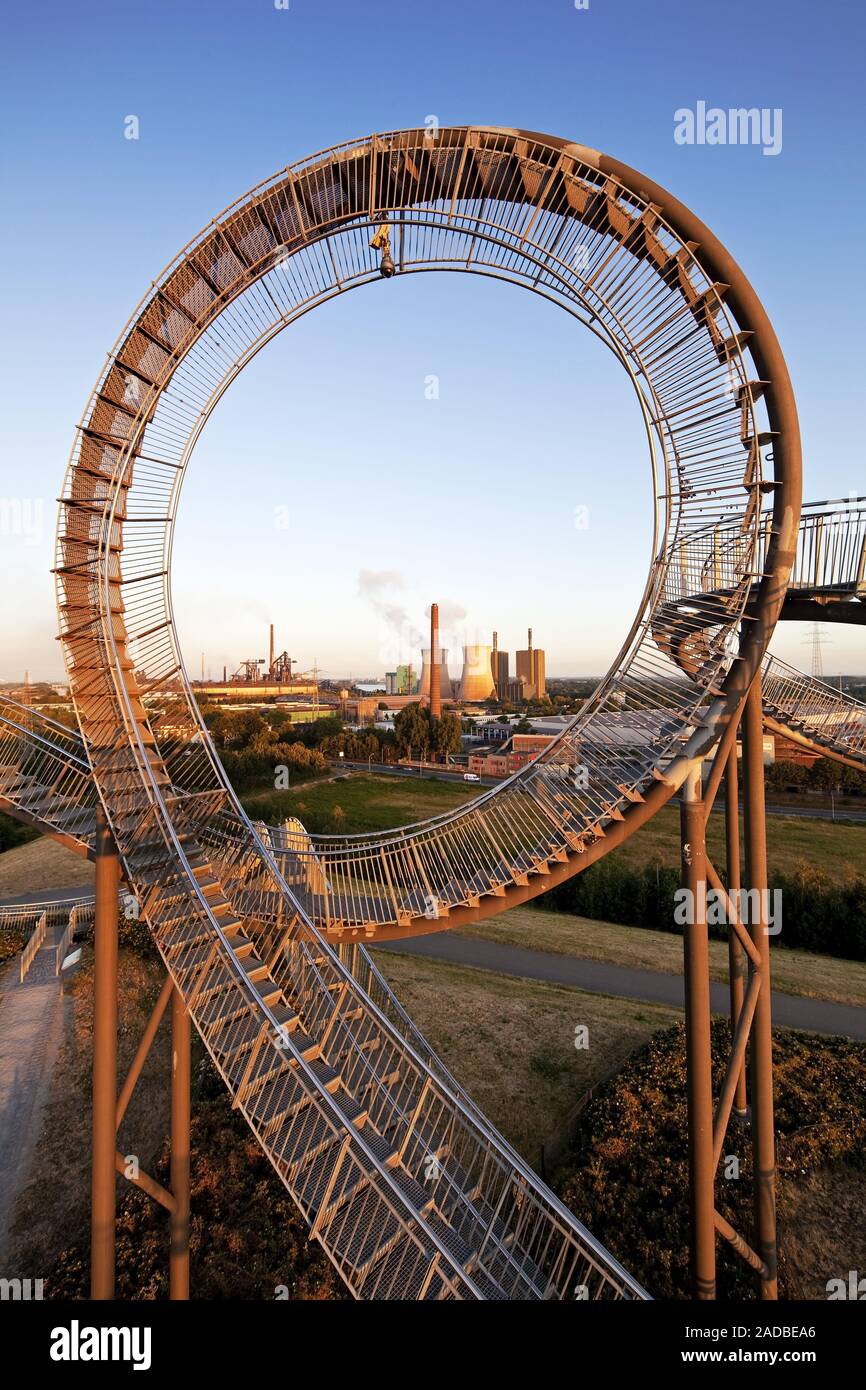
(444, 678)
(476, 683)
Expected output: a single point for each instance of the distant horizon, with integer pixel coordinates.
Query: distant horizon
(828, 678)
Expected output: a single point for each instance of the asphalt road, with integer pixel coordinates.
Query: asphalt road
(404, 773)
(598, 977)
(49, 895)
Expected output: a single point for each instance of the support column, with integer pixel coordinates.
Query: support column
(104, 1137)
(737, 966)
(699, 1081)
(761, 1046)
(180, 1108)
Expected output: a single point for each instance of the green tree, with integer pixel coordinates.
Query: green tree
(446, 733)
(412, 727)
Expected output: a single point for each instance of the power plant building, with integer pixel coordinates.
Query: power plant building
(399, 682)
(499, 669)
(530, 670)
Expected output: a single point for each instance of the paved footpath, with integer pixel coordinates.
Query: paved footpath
(789, 1011)
(31, 1031)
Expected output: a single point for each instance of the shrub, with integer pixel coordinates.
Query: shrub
(818, 915)
(626, 1172)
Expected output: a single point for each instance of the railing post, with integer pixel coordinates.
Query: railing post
(103, 1177)
(761, 1049)
(181, 1042)
(699, 1077)
(737, 968)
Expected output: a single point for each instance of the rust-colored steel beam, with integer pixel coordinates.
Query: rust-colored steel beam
(742, 1248)
(181, 1043)
(143, 1049)
(737, 967)
(143, 1180)
(735, 1066)
(699, 1079)
(103, 1181)
(761, 1050)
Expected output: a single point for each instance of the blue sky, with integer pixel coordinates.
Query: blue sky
(470, 498)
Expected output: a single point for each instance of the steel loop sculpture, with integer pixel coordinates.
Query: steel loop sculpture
(261, 932)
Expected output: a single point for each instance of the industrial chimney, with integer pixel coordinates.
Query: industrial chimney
(271, 659)
(435, 690)
(423, 690)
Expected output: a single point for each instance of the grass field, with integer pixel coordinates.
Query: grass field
(838, 850)
(367, 802)
(379, 803)
(42, 864)
(794, 972)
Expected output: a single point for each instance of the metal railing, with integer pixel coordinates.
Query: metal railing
(81, 913)
(830, 558)
(826, 717)
(33, 946)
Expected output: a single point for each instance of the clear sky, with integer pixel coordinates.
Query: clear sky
(394, 499)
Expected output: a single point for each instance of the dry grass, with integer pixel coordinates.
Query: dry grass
(821, 1228)
(794, 972)
(838, 850)
(42, 864)
(510, 1042)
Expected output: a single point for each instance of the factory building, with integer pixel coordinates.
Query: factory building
(399, 682)
(499, 669)
(530, 670)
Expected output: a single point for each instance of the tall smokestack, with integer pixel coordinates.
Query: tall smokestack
(271, 662)
(435, 663)
(530, 646)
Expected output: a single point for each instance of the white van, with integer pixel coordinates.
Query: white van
(471, 777)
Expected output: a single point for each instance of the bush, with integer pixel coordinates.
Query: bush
(13, 833)
(817, 914)
(12, 940)
(626, 1173)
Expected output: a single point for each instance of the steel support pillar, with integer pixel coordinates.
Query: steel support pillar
(103, 1180)
(761, 1043)
(181, 1038)
(699, 1078)
(737, 967)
